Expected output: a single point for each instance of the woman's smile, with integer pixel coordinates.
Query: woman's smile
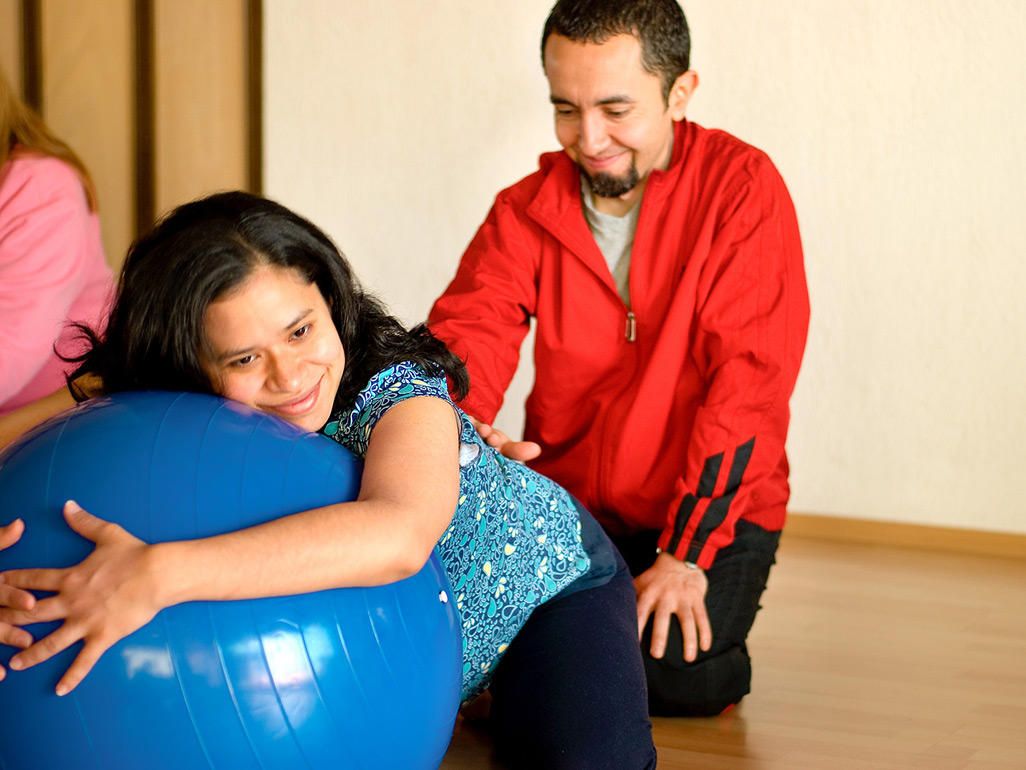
(299, 405)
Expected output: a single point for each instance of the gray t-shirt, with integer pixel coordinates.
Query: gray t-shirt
(614, 236)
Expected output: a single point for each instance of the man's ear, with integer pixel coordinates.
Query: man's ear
(680, 94)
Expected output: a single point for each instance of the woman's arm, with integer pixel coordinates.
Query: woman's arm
(14, 424)
(408, 493)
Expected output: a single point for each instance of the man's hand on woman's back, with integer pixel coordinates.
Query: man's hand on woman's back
(521, 451)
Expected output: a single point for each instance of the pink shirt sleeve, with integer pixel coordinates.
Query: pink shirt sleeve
(50, 256)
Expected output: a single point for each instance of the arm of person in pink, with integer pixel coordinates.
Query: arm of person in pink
(49, 253)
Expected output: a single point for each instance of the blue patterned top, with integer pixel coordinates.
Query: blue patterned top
(514, 541)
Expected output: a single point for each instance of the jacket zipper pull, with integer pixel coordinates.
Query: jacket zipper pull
(632, 327)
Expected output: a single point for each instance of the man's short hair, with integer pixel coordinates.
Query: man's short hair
(659, 25)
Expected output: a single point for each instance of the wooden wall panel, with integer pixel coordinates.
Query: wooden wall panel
(88, 100)
(160, 98)
(10, 42)
(200, 98)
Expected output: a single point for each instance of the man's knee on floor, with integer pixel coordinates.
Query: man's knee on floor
(704, 688)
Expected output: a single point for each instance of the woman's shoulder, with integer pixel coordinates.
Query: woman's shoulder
(387, 387)
(35, 178)
(405, 376)
(397, 382)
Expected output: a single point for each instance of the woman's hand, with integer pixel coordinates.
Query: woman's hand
(101, 600)
(13, 598)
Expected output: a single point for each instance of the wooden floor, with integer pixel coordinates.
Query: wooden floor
(865, 657)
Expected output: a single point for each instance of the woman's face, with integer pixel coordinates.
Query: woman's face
(274, 347)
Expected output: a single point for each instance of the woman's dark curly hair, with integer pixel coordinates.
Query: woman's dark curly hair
(201, 251)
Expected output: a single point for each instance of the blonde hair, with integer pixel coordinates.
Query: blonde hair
(22, 130)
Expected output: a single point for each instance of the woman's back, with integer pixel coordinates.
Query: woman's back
(52, 271)
(514, 541)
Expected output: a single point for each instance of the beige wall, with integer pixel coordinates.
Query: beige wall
(897, 124)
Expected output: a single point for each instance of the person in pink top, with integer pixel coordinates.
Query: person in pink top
(52, 267)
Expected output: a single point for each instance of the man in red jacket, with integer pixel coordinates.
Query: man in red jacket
(662, 264)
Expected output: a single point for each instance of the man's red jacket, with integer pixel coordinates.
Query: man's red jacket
(671, 414)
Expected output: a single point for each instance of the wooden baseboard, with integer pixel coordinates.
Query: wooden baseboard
(921, 536)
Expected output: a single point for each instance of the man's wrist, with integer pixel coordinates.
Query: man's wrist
(688, 564)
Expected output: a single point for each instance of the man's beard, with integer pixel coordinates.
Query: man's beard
(609, 186)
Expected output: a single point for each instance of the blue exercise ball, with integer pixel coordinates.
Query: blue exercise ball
(347, 678)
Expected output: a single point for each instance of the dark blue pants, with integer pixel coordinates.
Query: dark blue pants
(722, 676)
(570, 691)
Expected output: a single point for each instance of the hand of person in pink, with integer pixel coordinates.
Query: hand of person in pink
(11, 597)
